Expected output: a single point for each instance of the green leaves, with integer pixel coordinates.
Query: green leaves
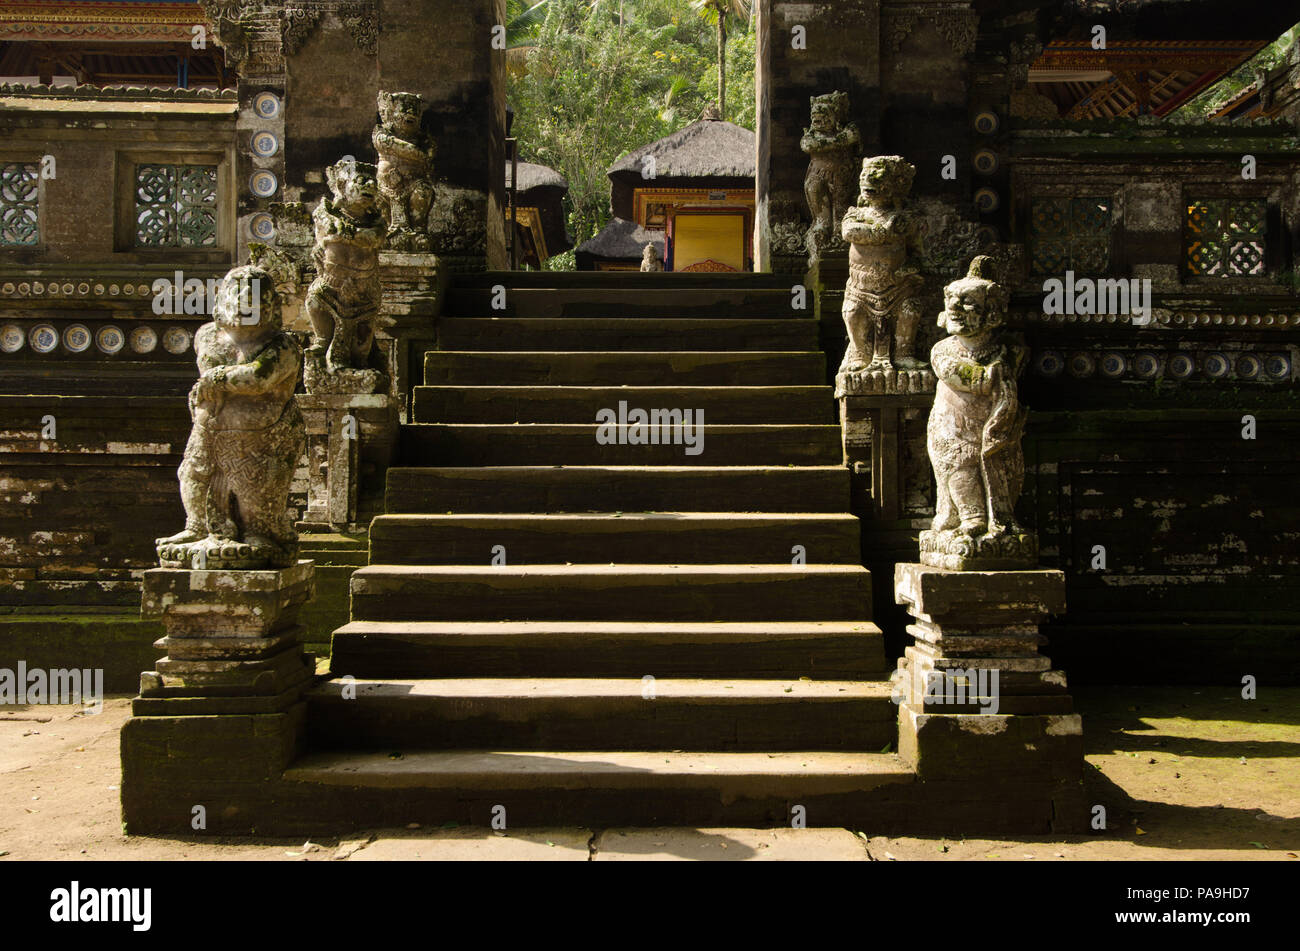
(601, 79)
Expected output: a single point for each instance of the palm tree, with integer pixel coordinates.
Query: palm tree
(717, 11)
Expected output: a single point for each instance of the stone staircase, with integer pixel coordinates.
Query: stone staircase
(650, 651)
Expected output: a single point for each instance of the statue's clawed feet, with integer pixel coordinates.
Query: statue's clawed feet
(880, 365)
(186, 537)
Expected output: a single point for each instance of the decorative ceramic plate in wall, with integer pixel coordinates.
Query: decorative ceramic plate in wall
(1277, 366)
(110, 339)
(12, 338)
(262, 226)
(264, 184)
(1181, 366)
(176, 340)
(265, 144)
(144, 340)
(43, 338)
(266, 105)
(77, 338)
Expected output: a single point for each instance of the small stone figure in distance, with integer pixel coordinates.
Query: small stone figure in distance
(406, 154)
(650, 259)
(832, 143)
(882, 310)
(343, 301)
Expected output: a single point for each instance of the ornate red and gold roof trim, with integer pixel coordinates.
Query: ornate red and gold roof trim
(47, 20)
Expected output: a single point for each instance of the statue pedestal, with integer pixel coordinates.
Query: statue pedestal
(221, 717)
(350, 439)
(885, 434)
(232, 639)
(978, 702)
(414, 285)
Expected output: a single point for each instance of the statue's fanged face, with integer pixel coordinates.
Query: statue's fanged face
(354, 185)
(246, 300)
(400, 111)
(970, 308)
(884, 179)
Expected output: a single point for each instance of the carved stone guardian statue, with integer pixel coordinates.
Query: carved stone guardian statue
(650, 259)
(974, 432)
(406, 154)
(343, 300)
(832, 143)
(247, 436)
(882, 309)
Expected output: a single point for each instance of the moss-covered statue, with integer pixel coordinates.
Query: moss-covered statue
(832, 143)
(974, 433)
(247, 437)
(882, 309)
(343, 301)
(406, 153)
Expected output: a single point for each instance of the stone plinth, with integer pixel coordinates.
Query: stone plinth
(351, 441)
(977, 699)
(884, 434)
(413, 289)
(232, 639)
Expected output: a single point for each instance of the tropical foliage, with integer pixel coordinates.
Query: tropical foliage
(594, 79)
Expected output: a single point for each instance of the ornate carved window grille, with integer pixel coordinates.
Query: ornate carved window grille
(175, 206)
(1224, 237)
(1069, 234)
(20, 188)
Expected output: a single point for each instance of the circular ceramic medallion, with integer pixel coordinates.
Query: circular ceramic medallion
(9, 289)
(176, 340)
(1216, 366)
(264, 184)
(986, 200)
(1277, 366)
(262, 226)
(1113, 365)
(986, 162)
(12, 338)
(110, 339)
(1082, 364)
(266, 105)
(1248, 366)
(1146, 365)
(144, 340)
(77, 338)
(265, 144)
(1049, 363)
(1181, 366)
(128, 290)
(986, 123)
(43, 338)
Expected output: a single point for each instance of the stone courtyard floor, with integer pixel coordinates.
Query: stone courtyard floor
(1184, 773)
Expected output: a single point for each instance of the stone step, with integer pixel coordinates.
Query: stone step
(822, 650)
(585, 714)
(622, 283)
(553, 489)
(624, 333)
(673, 302)
(598, 788)
(535, 444)
(667, 537)
(579, 404)
(630, 592)
(631, 368)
